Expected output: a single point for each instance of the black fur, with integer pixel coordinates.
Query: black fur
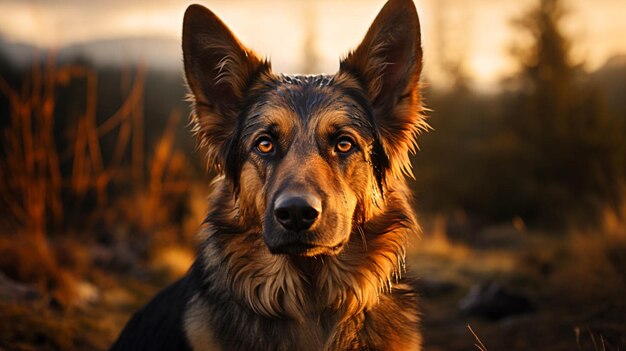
(158, 325)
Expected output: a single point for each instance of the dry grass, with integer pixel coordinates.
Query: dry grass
(40, 185)
(53, 242)
(479, 344)
(575, 280)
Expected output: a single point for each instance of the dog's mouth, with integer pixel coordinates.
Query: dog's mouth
(326, 237)
(306, 249)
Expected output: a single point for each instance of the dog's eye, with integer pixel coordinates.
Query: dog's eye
(344, 145)
(264, 145)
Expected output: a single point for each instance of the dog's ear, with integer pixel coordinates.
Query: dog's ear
(218, 70)
(388, 63)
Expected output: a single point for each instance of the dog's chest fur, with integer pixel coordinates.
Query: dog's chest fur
(391, 325)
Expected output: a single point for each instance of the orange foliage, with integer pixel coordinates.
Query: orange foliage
(34, 187)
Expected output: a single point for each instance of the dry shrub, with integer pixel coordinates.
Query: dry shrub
(592, 265)
(41, 185)
(32, 261)
(72, 255)
(33, 184)
(161, 200)
(174, 260)
(598, 257)
(435, 240)
(579, 268)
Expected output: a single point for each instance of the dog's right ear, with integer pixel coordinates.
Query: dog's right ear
(218, 70)
(388, 63)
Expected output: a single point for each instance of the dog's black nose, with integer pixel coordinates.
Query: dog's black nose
(297, 212)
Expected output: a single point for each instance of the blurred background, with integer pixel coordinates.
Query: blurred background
(520, 185)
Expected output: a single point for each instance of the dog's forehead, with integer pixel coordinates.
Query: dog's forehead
(305, 95)
(320, 80)
(307, 103)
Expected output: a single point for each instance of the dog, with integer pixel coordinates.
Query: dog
(304, 243)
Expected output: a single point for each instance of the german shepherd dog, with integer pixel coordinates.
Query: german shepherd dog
(304, 243)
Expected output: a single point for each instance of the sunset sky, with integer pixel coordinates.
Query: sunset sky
(477, 31)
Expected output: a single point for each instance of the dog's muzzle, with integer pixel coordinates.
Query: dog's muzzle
(296, 217)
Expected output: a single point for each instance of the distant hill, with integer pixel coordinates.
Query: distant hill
(16, 54)
(611, 77)
(157, 52)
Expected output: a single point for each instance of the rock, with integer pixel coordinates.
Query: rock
(10, 290)
(493, 301)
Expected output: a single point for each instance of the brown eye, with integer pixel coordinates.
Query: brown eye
(265, 146)
(344, 145)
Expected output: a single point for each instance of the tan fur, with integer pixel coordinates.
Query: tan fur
(348, 283)
(196, 327)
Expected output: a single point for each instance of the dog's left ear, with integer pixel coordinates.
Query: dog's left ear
(388, 62)
(219, 70)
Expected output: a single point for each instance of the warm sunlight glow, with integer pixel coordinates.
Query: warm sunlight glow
(152, 23)
(22, 23)
(313, 34)
(487, 70)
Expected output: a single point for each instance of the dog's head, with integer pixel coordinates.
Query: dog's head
(310, 158)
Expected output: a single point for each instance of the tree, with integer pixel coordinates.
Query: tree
(570, 143)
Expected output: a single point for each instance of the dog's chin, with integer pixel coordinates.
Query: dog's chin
(304, 249)
(318, 241)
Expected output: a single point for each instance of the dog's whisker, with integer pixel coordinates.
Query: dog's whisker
(363, 239)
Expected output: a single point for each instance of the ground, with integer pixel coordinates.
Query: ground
(550, 292)
(557, 292)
